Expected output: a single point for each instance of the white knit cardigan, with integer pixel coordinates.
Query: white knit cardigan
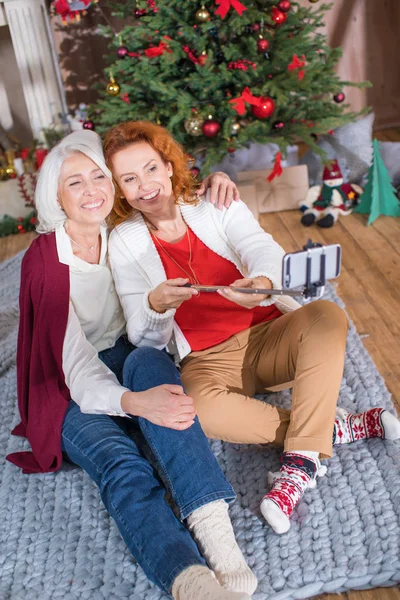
(231, 233)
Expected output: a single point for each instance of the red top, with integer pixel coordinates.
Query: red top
(42, 393)
(209, 319)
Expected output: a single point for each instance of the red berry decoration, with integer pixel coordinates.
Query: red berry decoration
(211, 128)
(265, 109)
(88, 125)
(262, 45)
(284, 5)
(278, 125)
(339, 97)
(122, 51)
(278, 16)
(140, 12)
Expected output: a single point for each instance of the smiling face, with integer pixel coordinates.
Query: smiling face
(143, 178)
(84, 192)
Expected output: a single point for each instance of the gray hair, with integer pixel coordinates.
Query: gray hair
(49, 214)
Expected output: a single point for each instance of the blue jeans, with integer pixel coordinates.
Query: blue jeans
(130, 487)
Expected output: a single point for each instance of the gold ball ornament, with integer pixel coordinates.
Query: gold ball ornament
(235, 128)
(113, 89)
(10, 172)
(202, 15)
(193, 126)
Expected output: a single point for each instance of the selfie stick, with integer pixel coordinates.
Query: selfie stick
(310, 290)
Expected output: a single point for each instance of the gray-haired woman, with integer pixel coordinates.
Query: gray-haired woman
(72, 344)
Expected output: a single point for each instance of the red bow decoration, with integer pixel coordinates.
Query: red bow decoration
(157, 50)
(225, 5)
(277, 170)
(298, 64)
(246, 96)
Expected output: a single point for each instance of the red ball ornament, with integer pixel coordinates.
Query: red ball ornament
(278, 16)
(262, 45)
(194, 171)
(202, 59)
(122, 51)
(255, 27)
(230, 150)
(88, 125)
(211, 128)
(284, 5)
(140, 12)
(339, 97)
(266, 108)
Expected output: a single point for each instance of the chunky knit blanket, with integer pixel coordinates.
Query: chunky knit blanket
(57, 541)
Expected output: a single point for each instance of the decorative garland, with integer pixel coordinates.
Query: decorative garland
(13, 225)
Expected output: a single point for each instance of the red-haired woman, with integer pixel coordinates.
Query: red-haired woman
(230, 345)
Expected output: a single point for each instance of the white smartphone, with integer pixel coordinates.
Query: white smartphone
(311, 266)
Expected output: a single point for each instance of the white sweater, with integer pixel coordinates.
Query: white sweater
(233, 234)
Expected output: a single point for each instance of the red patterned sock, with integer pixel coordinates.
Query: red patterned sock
(374, 423)
(295, 475)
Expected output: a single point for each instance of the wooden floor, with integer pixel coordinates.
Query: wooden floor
(369, 285)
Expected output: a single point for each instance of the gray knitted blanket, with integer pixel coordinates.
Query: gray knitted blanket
(57, 541)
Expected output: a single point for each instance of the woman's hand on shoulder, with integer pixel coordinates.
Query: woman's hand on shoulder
(223, 190)
(165, 405)
(247, 300)
(170, 294)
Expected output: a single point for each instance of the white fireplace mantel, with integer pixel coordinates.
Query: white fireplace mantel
(37, 61)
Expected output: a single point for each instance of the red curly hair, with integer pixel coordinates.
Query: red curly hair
(132, 132)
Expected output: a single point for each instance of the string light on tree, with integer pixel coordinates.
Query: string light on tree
(235, 128)
(278, 125)
(339, 97)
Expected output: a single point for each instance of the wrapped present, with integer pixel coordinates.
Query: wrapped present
(282, 193)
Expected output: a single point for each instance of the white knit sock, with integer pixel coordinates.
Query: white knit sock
(199, 583)
(213, 532)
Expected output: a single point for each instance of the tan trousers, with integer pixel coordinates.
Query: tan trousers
(303, 349)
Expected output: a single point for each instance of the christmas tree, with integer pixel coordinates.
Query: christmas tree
(379, 196)
(222, 74)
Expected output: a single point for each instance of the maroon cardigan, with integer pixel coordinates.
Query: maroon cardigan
(42, 393)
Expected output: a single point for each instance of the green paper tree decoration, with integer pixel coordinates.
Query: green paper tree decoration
(379, 196)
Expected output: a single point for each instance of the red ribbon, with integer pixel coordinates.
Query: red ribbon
(238, 104)
(225, 5)
(277, 170)
(157, 50)
(298, 64)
